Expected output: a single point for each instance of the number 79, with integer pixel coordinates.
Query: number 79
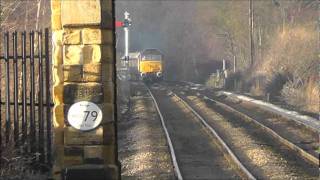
(94, 114)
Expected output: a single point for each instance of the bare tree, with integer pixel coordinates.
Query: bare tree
(38, 14)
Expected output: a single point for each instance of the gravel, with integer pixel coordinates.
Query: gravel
(143, 150)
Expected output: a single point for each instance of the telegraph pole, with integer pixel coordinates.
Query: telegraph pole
(251, 26)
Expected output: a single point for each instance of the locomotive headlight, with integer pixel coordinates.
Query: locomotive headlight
(159, 74)
(143, 75)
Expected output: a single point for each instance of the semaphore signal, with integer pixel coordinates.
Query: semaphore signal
(125, 24)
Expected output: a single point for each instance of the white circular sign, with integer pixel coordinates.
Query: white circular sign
(84, 115)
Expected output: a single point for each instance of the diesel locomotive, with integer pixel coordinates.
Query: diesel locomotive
(146, 65)
(151, 65)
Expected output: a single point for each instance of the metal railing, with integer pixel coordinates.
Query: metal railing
(25, 97)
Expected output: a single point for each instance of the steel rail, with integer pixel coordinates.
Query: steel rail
(221, 141)
(172, 153)
(300, 151)
(314, 127)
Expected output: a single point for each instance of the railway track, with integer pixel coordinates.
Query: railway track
(305, 148)
(259, 152)
(296, 136)
(288, 160)
(197, 151)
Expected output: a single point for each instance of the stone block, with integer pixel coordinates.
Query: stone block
(107, 20)
(72, 73)
(109, 154)
(73, 151)
(56, 171)
(75, 137)
(97, 36)
(107, 54)
(82, 73)
(58, 94)
(93, 151)
(92, 72)
(90, 171)
(57, 37)
(78, 13)
(58, 153)
(73, 160)
(93, 154)
(91, 54)
(55, 5)
(91, 36)
(58, 116)
(109, 135)
(106, 6)
(107, 37)
(107, 72)
(73, 54)
(56, 15)
(108, 112)
(56, 21)
(58, 136)
(81, 54)
(100, 154)
(57, 52)
(108, 92)
(66, 108)
(113, 170)
(57, 73)
(71, 36)
(75, 92)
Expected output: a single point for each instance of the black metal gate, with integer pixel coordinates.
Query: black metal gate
(25, 98)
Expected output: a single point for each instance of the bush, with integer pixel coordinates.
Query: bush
(215, 81)
(275, 84)
(234, 82)
(302, 94)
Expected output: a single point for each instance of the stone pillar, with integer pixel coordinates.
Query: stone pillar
(83, 70)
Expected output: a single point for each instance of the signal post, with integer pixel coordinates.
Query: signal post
(84, 114)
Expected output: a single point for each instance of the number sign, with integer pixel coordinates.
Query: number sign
(84, 115)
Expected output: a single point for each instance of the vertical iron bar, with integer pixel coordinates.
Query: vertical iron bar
(32, 103)
(40, 101)
(24, 88)
(1, 110)
(48, 98)
(8, 121)
(15, 84)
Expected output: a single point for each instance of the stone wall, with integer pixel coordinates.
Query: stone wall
(83, 69)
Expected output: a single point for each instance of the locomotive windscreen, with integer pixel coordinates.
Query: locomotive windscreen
(151, 54)
(151, 57)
